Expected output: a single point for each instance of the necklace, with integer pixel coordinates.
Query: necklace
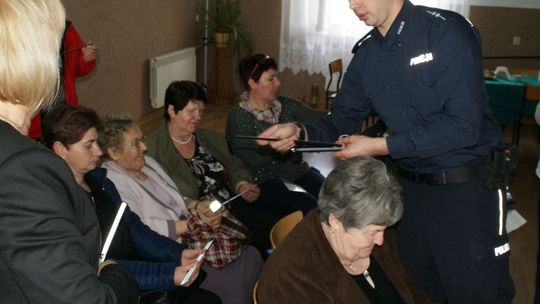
(11, 122)
(368, 278)
(366, 274)
(183, 142)
(140, 175)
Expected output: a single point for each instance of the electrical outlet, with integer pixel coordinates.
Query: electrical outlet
(197, 17)
(516, 40)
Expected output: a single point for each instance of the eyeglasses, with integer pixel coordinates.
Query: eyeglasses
(137, 142)
(257, 65)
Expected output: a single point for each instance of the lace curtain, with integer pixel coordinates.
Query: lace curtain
(313, 32)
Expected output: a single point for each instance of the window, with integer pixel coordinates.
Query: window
(313, 32)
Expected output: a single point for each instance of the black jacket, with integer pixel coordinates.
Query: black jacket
(49, 232)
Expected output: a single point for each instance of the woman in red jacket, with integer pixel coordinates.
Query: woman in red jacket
(78, 59)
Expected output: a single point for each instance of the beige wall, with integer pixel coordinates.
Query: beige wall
(129, 32)
(498, 25)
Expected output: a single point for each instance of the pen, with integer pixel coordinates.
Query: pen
(215, 204)
(77, 48)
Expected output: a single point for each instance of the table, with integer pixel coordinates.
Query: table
(506, 102)
(510, 99)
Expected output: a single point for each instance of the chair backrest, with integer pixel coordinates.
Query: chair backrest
(283, 227)
(336, 67)
(254, 294)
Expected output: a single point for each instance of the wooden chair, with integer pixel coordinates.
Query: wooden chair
(283, 227)
(279, 231)
(254, 295)
(336, 67)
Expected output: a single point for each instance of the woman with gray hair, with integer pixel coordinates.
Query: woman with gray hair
(231, 265)
(327, 257)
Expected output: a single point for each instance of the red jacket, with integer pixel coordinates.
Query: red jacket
(73, 66)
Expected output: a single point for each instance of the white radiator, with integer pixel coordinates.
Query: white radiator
(164, 69)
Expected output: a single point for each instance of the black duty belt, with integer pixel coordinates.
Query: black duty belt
(465, 174)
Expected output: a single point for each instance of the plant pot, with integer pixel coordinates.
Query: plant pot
(222, 37)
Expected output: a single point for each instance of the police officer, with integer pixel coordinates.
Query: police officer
(420, 69)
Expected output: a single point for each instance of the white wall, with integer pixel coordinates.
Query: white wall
(508, 3)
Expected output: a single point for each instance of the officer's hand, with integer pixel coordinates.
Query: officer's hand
(287, 133)
(359, 145)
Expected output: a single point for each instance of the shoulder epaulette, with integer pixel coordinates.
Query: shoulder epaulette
(436, 16)
(359, 42)
(439, 16)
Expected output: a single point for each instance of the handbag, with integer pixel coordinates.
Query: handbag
(229, 238)
(154, 297)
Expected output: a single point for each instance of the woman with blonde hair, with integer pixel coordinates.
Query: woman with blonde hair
(50, 235)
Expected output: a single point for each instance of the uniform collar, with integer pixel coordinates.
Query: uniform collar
(397, 27)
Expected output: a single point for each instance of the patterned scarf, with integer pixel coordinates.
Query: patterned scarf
(270, 115)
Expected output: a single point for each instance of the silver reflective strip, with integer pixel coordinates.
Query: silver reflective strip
(501, 214)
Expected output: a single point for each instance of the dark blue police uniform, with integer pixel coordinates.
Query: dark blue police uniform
(424, 79)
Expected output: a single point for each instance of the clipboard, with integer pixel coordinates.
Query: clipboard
(302, 145)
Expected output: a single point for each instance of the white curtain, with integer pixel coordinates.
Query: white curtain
(313, 32)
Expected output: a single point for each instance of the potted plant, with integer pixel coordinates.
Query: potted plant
(224, 23)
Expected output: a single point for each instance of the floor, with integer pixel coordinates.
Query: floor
(524, 241)
(524, 188)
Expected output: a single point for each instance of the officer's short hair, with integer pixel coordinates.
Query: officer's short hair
(359, 192)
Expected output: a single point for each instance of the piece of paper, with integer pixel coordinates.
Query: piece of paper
(214, 205)
(112, 231)
(514, 220)
(198, 259)
(294, 187)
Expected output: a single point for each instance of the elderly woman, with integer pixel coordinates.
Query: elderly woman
(336, 253)
(200, 164)
(49, 232)
(258, 109)
(232, 267)
(156, 261)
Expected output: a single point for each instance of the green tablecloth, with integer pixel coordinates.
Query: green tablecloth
(508, 92)
(505, 99)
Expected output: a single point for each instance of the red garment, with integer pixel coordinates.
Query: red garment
(74, 66)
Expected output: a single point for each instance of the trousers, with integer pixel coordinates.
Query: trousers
(279, 201)
(452, 241)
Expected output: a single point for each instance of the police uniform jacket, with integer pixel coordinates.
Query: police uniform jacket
(424, 79)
